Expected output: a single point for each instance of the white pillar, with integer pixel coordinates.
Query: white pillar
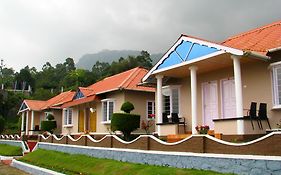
(22, 122)
(32, 122)
(193, 78)
(238, 93)
(159, 109)
(26, 125)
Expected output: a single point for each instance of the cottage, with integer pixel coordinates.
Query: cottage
(214, 84)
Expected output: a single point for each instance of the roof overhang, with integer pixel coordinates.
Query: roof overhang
(79, 101)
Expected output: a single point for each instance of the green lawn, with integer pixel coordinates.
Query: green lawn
(81, 164)
(8, 150)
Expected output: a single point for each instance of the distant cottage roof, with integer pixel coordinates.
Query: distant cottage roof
(128, 80)
(53, 103)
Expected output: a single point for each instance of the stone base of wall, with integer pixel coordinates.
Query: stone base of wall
(31, 169)
(238, 164)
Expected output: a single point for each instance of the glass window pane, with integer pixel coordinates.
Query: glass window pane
(111, 104)
(105, 111)
(175, 100)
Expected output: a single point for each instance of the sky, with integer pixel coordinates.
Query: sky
(33, 32)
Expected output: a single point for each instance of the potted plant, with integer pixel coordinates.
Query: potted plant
(202, 129)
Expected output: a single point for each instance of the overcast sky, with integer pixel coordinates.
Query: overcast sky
(33, 32)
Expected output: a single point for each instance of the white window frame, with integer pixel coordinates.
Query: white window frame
(274, 80)
(153, 108)
(66, 117)
(107, 121)
(46, 114)
(171, 88)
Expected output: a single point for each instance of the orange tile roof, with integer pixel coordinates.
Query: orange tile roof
(128, 80)
(55, 102)
(86, 91)
(60, 99)
(79, 101)
(259, 40)
(35, 105)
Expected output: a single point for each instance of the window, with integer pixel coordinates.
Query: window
(150, 109)
(68, 116)
(79, 95)
(107, 109)
(276, 77)
(47, 113)
(171, 99)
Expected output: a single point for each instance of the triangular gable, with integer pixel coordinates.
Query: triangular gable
(187, 50)
(78, 95)
(23, 107)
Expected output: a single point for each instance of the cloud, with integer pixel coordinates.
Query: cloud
(33, 32)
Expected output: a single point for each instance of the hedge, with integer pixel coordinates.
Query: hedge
(48, 125)
(126, 123)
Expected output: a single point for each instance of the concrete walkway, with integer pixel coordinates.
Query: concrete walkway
(8, 170)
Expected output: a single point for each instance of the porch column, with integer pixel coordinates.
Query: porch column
(193, 79)
(22, 123)
(238, 93)
(159, 109)
(26, 125)
(32, 122)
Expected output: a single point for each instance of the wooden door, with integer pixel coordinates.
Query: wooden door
(93, 121)
(81, 121)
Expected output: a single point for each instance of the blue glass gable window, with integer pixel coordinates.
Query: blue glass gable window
(78, 95)
(186, 51)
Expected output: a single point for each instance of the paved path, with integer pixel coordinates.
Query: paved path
(7, 170)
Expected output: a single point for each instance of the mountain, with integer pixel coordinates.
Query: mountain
(88, 60)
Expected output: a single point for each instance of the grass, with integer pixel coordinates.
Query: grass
(81, 164)
(8, 150)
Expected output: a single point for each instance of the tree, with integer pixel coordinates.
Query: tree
(127, 107)
(24, 78)
(125, 122)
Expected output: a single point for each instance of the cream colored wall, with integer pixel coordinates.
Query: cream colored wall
(74, 128)
(139, 100)
(256, 82)
(58, 117)
(118, 97)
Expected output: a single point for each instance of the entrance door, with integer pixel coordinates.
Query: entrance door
(93, 121)
(81, 121)
(210, 103)
(228, 99)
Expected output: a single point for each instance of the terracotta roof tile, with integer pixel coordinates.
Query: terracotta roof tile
(79, 101)
(259, 40)
(128, 80)
(35, 105)
(125, 80)
(60, 99)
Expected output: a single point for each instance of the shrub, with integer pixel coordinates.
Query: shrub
(126, 123)
(50, 117)
(127, 107)
(2, 124)
(49, 125)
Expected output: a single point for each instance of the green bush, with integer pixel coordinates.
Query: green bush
(2, 124)
(48, 125)
(50, 117)
(127, 107)
(126, 123)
